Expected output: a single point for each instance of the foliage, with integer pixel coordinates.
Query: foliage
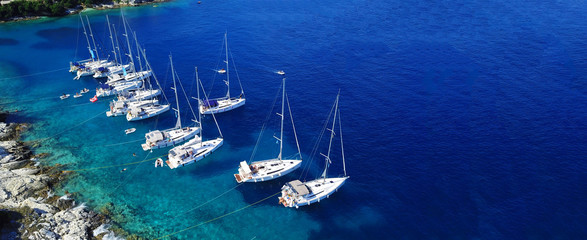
(23, 8)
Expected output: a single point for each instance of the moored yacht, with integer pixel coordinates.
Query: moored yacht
(297, 193)
(260, 171)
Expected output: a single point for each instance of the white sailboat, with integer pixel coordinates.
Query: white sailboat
(169, 137)
(138, 95)
(120, 108)
(147, 111)
(297, 193)
(195, 149)
(127, 77)
(118, 67)
(150, 110)
(227, 103)
(106, 90)
(273, 168)
(113, 70)
(88, 67)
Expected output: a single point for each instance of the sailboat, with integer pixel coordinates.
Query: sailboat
(129, 76)
(195, 149)
(132, 99)
(121, 108)
(108, 90)
(227, 103)
(138, 95)
(118, 67)
(147, 111)
(273, 168)
(169, 137)
(88, 67)
(297, 193)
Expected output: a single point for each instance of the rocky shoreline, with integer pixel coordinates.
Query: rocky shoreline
(28, 207)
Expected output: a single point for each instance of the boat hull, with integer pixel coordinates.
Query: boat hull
(172, 141)
(321, 189)
(130, 117)
(223, 106)
(276, 168)
(202, 151)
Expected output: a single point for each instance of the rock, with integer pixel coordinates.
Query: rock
(14, 164)
(64, 202)
(28, 208)
(19, 187)
(7, 145)
(26, 171)
(5, 130)
(38, 206)
(6, 158)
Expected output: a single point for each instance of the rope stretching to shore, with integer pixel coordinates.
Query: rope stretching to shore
(219, 217)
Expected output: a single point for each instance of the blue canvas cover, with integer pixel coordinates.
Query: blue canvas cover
(210, 103)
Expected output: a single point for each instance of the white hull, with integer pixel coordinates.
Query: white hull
(148, 112)
(134, 76)
(192, 152)
(82, 72)
(138, 95)
(120, 109)
(119, 88)
(319, 190)
(224, 105)
(111, 71)
(173, 137)
(267, 170)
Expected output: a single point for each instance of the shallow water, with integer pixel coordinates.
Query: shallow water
(461, 119)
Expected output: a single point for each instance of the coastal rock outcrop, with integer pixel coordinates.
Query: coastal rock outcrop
(28, 208)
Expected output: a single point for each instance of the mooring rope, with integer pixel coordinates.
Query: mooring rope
(111, 166)
(34, 74)
(219, 217)
(199, 206)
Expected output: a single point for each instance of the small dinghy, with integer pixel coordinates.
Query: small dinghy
(64, 96)
(280, 72)
(222, 71)
(159, 162)
(85, 90)
(77, 95)
(94, 99)
(130, 130)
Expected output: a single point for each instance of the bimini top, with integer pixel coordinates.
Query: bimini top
(210, 103)
(298, 187)
(155, 136)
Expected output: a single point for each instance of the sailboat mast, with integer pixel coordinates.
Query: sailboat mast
(87, 39)
(331, 137)
(341, 144)
(282, 109)
(127, 41)
(199, 113)
(112, 40)
(117, 45)
(227, 74)
(178, 124)
(93, 40)
(138, 51)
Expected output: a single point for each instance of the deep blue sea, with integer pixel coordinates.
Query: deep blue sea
(461, 119)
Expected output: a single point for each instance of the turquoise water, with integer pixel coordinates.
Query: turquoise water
(462, 120)
(147, 201)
